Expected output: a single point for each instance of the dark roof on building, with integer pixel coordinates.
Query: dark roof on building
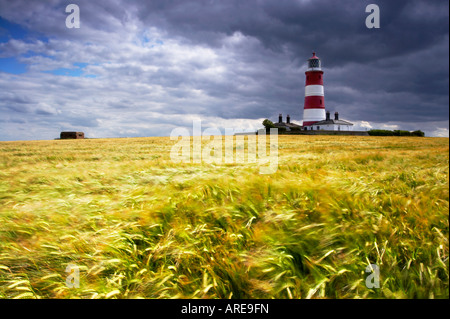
(324, 122)
(283, 124)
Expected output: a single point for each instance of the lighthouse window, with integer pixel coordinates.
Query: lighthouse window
(320, 77)
(314, 63)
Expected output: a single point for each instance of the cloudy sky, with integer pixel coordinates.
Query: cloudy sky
(143, 68)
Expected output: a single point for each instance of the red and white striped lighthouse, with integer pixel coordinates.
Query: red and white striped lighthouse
(314, 109)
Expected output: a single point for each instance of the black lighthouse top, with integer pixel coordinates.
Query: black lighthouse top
(314, 63)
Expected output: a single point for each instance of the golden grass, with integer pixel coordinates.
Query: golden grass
(141, 226)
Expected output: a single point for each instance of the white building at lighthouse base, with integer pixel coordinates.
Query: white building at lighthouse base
(330, 125)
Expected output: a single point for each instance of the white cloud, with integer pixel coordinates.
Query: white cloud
(365, 124)
(389, 126)
(440, 132)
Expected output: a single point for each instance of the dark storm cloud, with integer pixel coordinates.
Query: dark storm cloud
(337, 28)
(408, 54)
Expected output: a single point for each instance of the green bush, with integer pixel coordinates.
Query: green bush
(395, 133)
(401, 133)
(417, 133)
(381, 133)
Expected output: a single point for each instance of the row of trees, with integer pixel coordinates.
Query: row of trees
(395, 133)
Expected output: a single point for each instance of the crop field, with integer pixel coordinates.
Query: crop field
(138, 225)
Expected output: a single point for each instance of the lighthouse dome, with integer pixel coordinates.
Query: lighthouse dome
(314, 56)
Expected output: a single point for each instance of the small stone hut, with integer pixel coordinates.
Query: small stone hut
(71, 135)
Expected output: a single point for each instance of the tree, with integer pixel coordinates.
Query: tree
(268, 124)
(418, 133)
(395, 133)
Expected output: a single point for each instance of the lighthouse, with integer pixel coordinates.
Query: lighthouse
(314, 108)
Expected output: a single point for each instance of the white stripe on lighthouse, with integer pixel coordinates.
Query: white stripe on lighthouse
(314, 90)
(313, 115)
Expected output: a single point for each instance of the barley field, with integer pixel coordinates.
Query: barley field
(138, 225)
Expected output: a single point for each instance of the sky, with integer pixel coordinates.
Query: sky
(144, 68)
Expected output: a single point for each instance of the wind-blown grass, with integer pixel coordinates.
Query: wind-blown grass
(141, 226)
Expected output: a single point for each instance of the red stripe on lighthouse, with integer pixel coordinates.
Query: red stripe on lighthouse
(314, 78)
(314, 102)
